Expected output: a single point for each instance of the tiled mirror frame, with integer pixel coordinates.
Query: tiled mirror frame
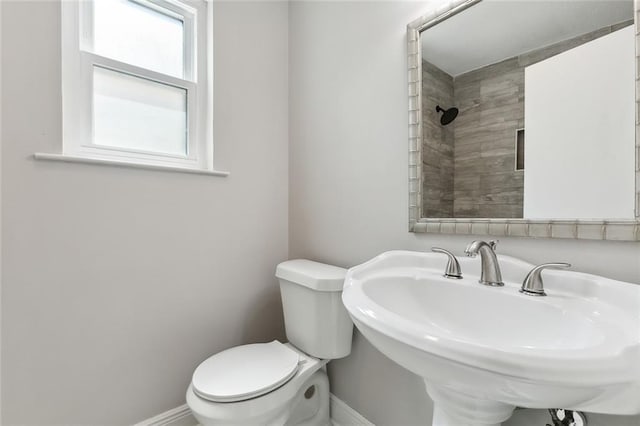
(614, 230)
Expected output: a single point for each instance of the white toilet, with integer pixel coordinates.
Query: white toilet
(280, 383)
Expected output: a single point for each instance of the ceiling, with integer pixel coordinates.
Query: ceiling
(493, 30)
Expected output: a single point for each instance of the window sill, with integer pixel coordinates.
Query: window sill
(118, 163)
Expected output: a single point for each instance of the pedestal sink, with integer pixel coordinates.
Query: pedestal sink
(483, 350)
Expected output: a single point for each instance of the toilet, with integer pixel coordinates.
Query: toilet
(278, 383)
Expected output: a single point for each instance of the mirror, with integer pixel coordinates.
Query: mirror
(524, 113)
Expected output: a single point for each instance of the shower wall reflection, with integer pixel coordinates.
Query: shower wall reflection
(438, 143)
(469, 165)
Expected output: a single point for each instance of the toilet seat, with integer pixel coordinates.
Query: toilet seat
(245, 372)
(271, 408)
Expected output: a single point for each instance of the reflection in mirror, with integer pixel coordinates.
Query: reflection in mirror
(528, 111)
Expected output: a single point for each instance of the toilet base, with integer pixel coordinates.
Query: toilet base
(311, 405)
(302, 401)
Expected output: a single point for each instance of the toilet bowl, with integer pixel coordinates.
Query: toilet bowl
(280, 383)
(303, 398)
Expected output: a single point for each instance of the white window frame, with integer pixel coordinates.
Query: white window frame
(78, 61)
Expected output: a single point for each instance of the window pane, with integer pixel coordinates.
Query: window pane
(130, 32)
(134, 113)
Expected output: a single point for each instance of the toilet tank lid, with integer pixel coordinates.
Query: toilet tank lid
(314, 275)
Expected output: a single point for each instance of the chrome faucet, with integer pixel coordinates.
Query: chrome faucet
(490, 274)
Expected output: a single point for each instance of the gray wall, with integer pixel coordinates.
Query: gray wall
(117, 282)
(1, 218)
(437, 143)
(344, 210)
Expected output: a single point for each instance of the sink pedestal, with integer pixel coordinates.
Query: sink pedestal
(451, 408)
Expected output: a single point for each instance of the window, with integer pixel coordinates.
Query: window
(137, 82)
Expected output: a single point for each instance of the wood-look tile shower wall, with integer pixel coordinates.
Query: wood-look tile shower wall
(438, 146)
(491, 103)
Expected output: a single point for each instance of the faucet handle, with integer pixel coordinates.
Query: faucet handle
(453, 267)
(494, 244)
(533, 284)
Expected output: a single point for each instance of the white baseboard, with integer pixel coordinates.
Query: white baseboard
(179, 416)
(341, 415)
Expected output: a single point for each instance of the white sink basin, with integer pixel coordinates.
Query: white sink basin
(484, 350)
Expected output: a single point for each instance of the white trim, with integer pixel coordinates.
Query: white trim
(208, 131)
(179, 416)
(343, 415)
(93, 59)
(108, 162)
(79, 60)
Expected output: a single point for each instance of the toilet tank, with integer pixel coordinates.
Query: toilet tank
(315, 320)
